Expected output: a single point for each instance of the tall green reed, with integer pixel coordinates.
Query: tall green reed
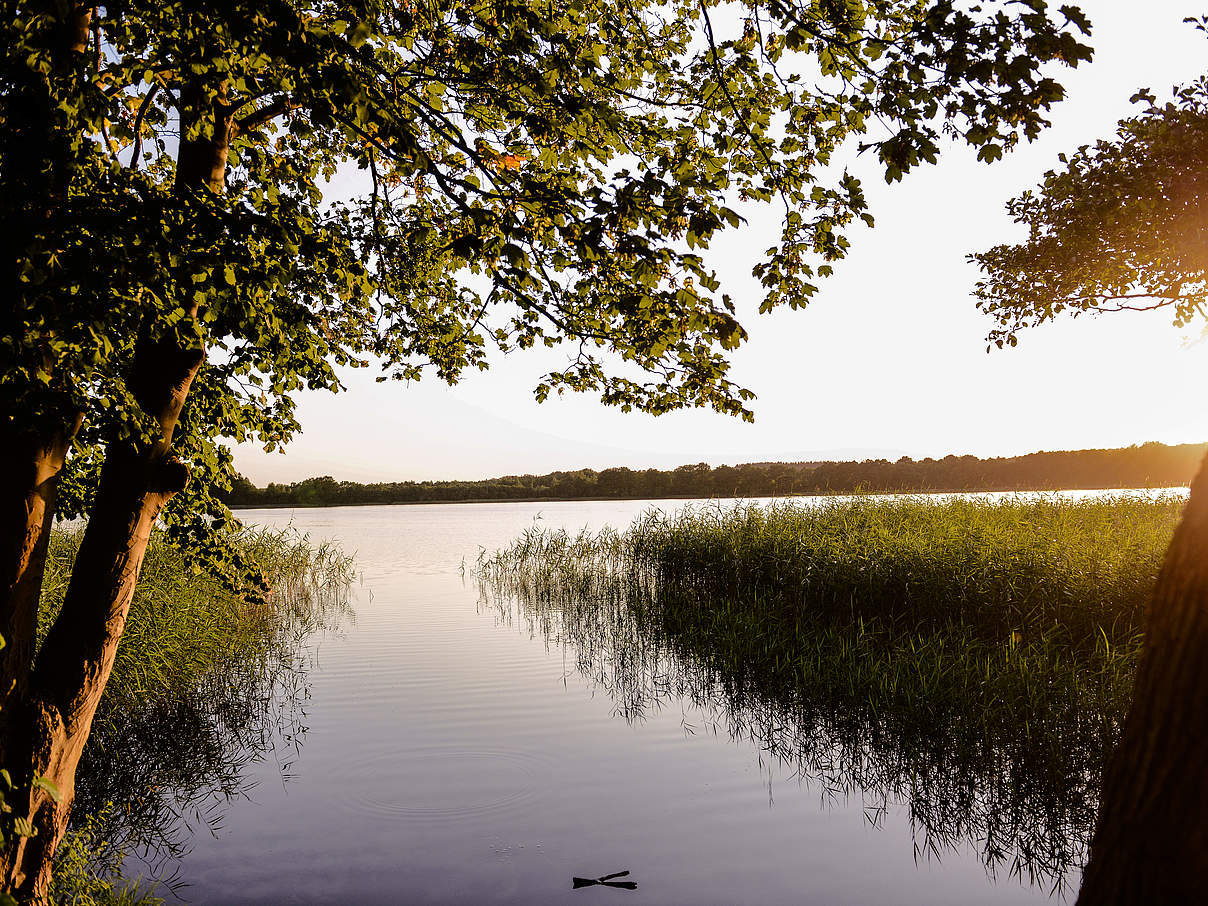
(1041, 565)
(186, 625)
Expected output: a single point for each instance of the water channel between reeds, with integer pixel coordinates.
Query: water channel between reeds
(448, 748)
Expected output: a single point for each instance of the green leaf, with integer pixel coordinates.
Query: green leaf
(47, 785)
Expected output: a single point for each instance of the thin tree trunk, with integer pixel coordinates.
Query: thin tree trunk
(30, 465)
(1151, 837)
(36, 175)
(136, 480)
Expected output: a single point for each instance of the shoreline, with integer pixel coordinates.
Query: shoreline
(858, 493)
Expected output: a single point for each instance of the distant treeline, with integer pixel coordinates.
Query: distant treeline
(1147, 466)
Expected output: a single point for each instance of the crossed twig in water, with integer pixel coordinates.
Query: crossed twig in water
(605, 881)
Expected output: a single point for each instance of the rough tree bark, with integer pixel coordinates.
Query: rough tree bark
(136, 480)
(1151, 837)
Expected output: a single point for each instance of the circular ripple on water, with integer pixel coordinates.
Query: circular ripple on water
(442, 784)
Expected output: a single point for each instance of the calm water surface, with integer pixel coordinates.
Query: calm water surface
(452, 756)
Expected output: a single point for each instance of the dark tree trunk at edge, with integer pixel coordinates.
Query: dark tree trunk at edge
(38, 167)
(1151, 838)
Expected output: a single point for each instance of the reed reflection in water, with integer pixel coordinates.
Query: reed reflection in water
(856, 708)
(159, 770)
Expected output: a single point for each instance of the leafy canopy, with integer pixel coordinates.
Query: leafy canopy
(1122, 226)
(534, 173)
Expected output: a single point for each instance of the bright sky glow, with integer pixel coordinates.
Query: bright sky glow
(889, 359)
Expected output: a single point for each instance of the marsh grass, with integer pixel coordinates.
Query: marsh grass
(185, 625)
(970, 659)
(206, 682)
(1081, 569)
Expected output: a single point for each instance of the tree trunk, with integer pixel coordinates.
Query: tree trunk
(30, 465)
(136, 481)
(37, 149)
(1151, 837)
(78, 654)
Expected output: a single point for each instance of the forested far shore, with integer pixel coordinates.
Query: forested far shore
(1150, 465)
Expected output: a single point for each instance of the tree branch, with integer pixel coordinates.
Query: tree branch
(264, 114)
(137, 151)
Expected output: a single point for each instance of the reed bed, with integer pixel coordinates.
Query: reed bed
(185, 625)
(971, 658)
(1082, 569)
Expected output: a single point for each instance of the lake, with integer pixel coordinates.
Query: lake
(447, 751)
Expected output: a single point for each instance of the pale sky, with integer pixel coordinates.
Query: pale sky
(889, 359)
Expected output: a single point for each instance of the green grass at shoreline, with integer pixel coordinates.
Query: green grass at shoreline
(974, 659)
(1042, 567)
(185, 625)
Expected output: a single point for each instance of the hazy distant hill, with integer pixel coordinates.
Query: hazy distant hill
(1150, 465)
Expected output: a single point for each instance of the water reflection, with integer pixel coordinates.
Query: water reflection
(1025, 797)
(155, 774)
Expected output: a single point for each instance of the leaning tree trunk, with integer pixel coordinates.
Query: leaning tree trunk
(136, 480)
(1151, 838)
(78, 654)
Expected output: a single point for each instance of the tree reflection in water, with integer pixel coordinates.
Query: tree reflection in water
(156, 771)
(855, 711)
